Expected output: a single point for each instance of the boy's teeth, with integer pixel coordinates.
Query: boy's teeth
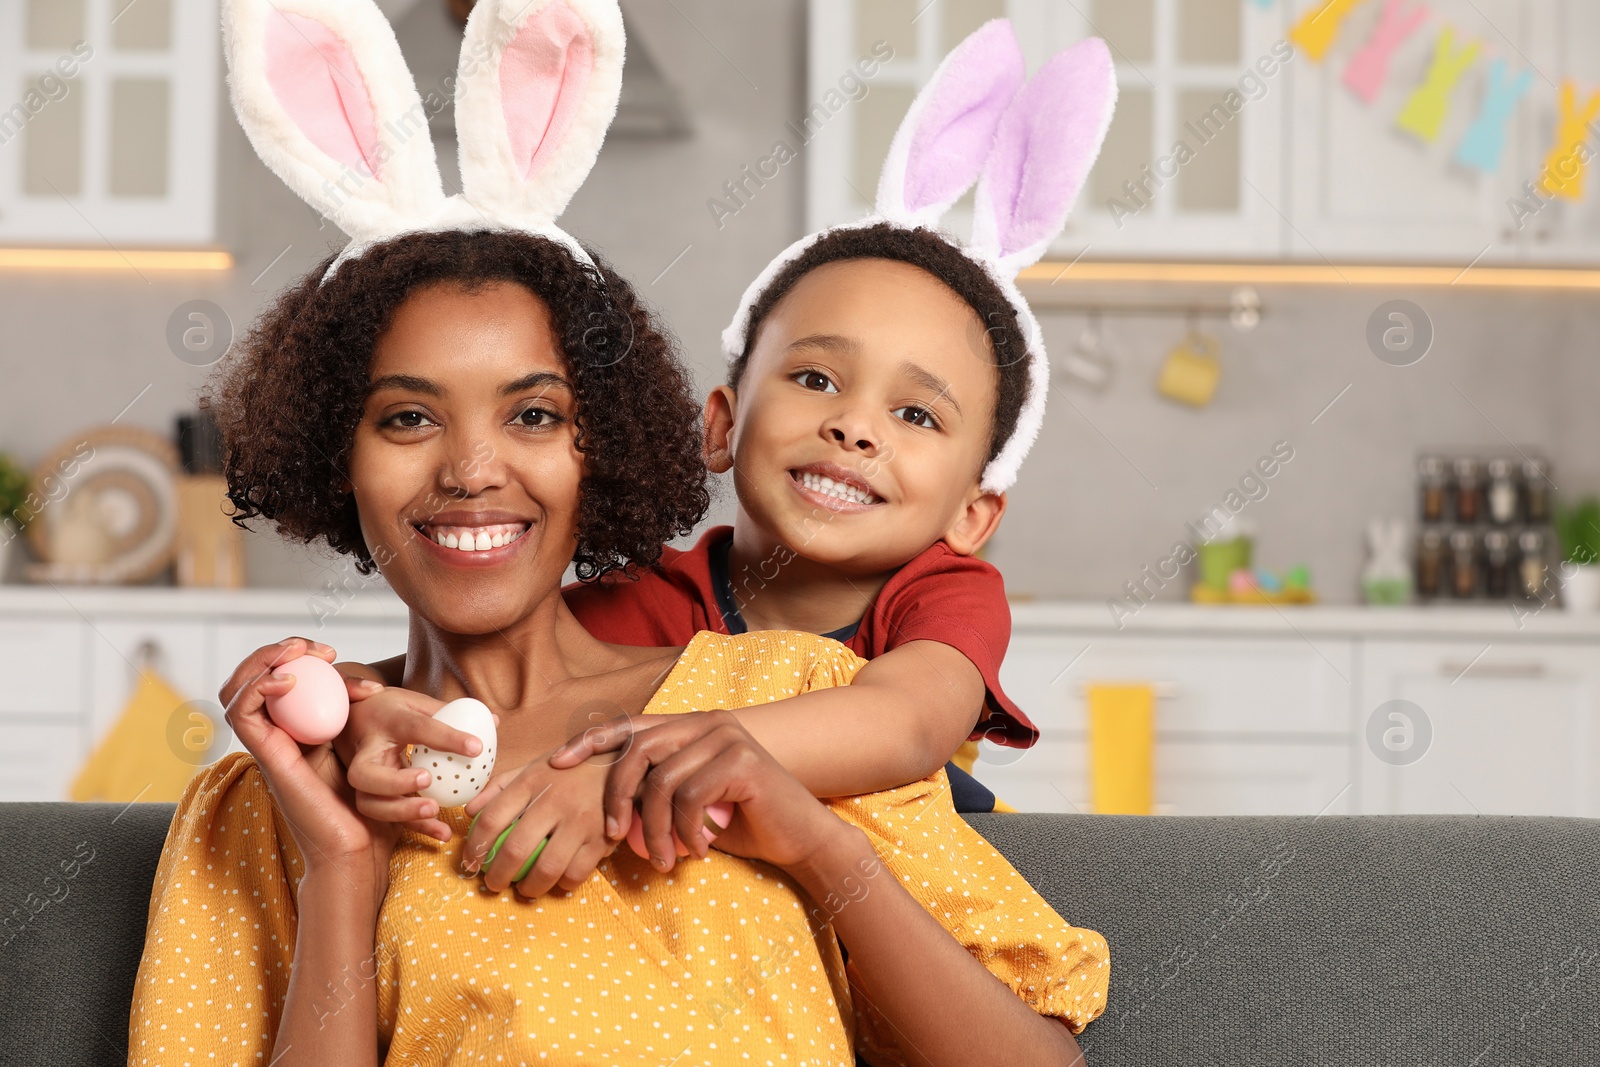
(818, 483)
(476, 538)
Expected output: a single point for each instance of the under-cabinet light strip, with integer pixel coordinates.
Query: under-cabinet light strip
(1312, 274)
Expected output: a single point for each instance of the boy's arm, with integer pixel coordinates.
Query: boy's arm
(901, 718)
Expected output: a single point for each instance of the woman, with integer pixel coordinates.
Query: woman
(450, 383)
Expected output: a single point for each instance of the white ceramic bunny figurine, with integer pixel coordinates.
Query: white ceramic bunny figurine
(1387, 577)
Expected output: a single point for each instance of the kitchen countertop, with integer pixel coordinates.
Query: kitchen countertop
(1028, 617)
(1497, 621)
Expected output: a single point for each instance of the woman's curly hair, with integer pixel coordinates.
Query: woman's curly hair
(924, 248)
(288, 402)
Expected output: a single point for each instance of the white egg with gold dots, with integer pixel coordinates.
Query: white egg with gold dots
(456, 779)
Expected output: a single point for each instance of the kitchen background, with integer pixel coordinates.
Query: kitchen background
(1330, 178)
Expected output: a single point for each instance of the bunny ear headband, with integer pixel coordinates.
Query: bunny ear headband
(325, 97)
(1028, 144)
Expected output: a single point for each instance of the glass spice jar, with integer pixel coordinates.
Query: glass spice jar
(1430, 564)
(1502, 492)
(1536, 490)
(1433, 481)
(1463, 564)
(1530, 568)
(1497, 563)
(1468, 491)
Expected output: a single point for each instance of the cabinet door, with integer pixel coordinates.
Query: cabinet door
(1362, 188)
(1561, 232)
(1502, 730)
(1193, 162)
(1243, 725)
(42, 733)
(178, 649)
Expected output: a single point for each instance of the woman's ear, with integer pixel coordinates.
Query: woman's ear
(976, 524)
(718, 442)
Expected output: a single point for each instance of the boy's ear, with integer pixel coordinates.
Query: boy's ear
(976, 524)
(717, 444)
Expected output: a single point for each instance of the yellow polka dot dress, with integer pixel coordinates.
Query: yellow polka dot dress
(722, 961)
(951, 869)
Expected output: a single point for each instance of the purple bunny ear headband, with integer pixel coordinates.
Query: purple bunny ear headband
(324, 95)
(1028, 144)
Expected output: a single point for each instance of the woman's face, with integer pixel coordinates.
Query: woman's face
(467, 439)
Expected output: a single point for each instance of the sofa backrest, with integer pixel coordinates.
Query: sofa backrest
(1240, 941)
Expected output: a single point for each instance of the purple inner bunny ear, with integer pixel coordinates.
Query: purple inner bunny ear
(1047, 143)
(959, 113)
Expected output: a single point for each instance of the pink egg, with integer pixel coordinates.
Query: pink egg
(316, 709)
(719, 813)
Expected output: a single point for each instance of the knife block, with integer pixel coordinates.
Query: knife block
(210, 546)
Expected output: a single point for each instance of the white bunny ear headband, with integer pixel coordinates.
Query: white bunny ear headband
(325, 97)
(1028, 143)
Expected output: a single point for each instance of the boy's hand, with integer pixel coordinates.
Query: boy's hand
(383, 721)
(568, 806)
(631, 744)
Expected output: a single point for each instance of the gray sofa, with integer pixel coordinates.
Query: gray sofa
(1404, 942)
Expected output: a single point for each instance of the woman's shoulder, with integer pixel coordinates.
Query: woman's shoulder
(754, 668)
(230, 801)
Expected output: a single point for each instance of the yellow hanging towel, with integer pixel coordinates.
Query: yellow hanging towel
(1121, 732)
(137, 759)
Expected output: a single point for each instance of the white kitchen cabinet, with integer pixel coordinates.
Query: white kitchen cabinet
(1561, 43)
(1362, 188)
(1243, 725)
(1177, 60)
(179, 650)
(42, 734)
(108, 122)
(1511, 728)
(1302, 169)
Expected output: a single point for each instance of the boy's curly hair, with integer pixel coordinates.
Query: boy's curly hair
(924, 248)
(288, 401)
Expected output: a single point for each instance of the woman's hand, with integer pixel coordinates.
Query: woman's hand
(564, 805)
(307, 781)
(694, 760)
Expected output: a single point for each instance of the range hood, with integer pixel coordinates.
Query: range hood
(430, 37)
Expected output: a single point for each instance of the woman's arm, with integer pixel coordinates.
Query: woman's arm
(963, 1016)
(966, 1016)
(330, 1011)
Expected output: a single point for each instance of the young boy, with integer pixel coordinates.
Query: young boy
(857, 423)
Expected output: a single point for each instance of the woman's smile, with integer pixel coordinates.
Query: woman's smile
(472, 541)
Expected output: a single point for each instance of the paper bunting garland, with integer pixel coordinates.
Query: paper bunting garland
(1369, 68)
(1427, 109)
(1563, 171)
(1316, 33)
(1429, 106)
(1485, 142)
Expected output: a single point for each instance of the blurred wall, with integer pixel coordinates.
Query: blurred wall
(1114, 477)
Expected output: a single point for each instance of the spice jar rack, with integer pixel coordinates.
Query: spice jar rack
(1486, 526)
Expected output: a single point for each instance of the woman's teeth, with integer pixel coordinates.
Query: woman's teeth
(475, 538)
(843, 490)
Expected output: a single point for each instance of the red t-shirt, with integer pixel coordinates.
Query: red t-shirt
(939, 596)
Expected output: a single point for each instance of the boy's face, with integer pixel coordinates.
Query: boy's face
(863, 420)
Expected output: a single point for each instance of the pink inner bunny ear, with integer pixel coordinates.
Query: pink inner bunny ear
(955, 121)
(314, 76)
(1047, 143)
(542, 76)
